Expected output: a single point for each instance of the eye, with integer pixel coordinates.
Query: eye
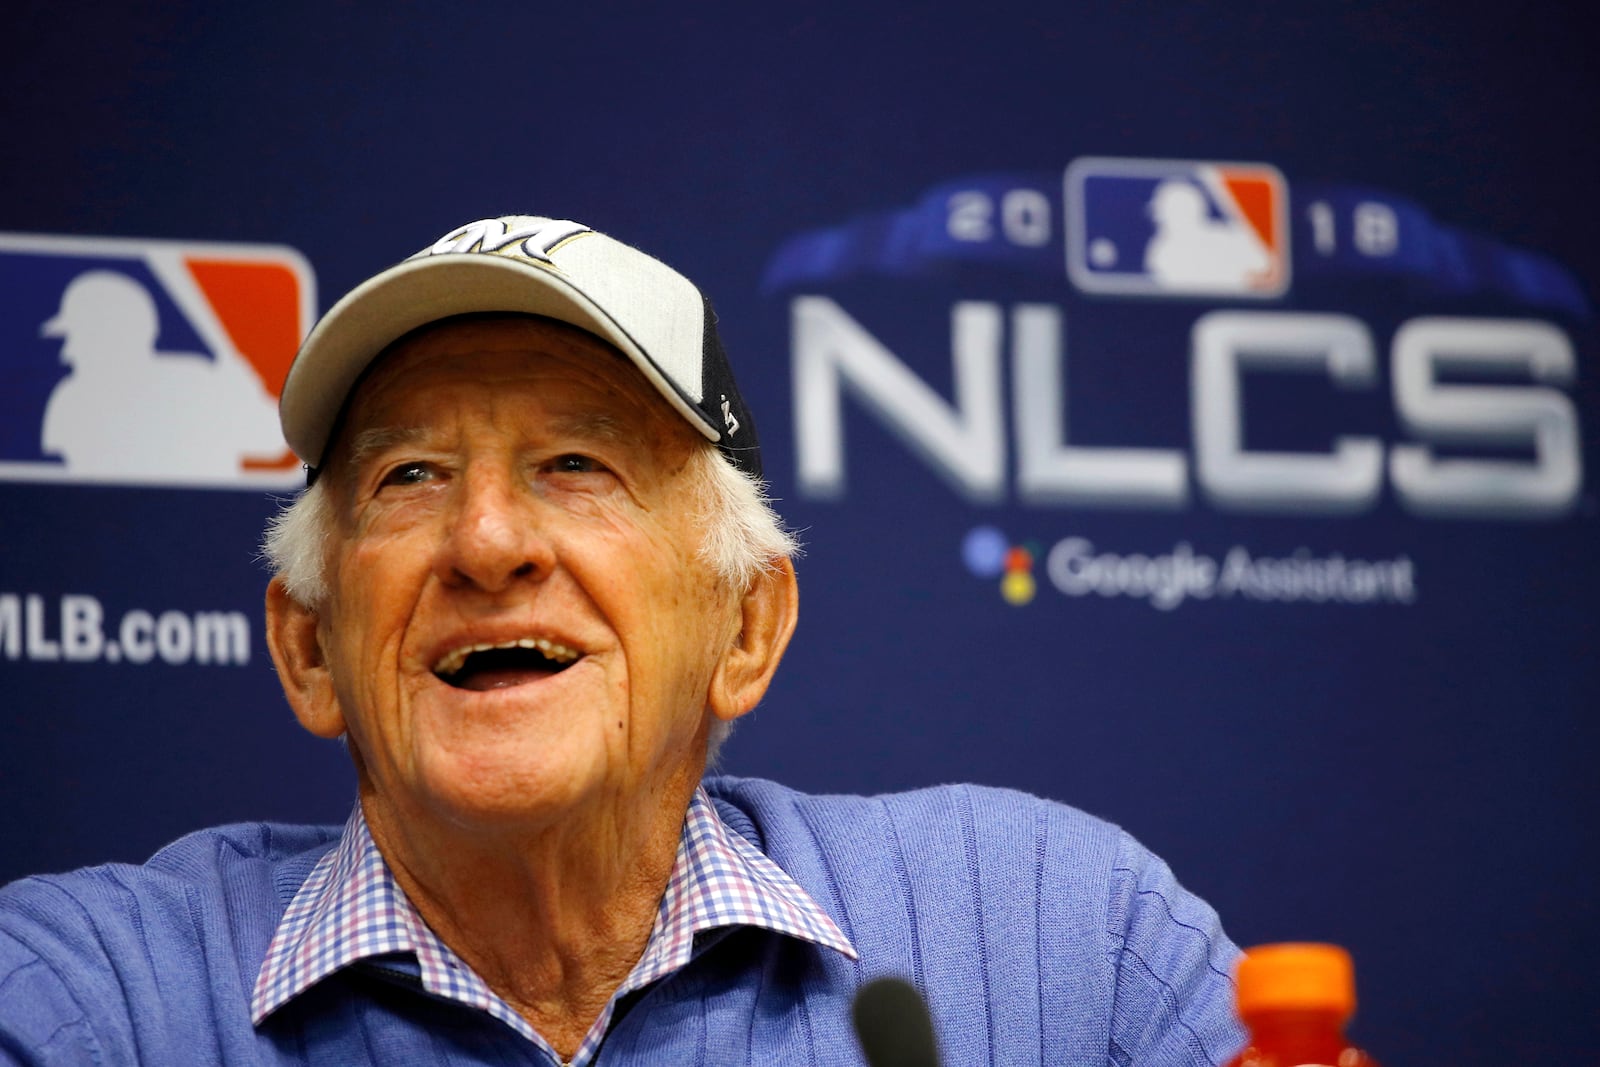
(413, 472)
(573, 463)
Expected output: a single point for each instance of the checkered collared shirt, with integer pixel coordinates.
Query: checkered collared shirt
(351, 909)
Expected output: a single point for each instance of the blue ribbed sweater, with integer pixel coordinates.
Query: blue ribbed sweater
(1039, 934)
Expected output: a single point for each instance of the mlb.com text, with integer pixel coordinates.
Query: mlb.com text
(73, 628)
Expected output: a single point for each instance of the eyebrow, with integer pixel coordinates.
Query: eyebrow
(369, 443)
(589, 426)
(584, 426)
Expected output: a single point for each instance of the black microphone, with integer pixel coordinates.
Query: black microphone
(893, 1025)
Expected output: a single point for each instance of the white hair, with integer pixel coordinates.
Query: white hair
(296, 545)
(743, 538)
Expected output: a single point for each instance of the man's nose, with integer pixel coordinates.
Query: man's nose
(494, 538)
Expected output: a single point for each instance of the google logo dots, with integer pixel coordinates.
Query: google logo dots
(988, 553)
(1018, 585)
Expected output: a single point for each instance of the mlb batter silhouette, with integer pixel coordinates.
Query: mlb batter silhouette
(127, 412)
(1190, 250)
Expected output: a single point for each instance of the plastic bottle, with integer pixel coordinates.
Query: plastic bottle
(1295, 1000)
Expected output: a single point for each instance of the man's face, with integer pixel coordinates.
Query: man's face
(517, 620)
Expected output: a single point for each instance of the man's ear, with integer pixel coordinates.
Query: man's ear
(767, 615)
(296, 647)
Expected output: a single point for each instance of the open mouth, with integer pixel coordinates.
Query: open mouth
(505, 664)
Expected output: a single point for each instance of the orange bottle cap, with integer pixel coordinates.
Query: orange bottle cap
(1297, 976)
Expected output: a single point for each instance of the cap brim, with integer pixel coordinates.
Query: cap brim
(416, 292)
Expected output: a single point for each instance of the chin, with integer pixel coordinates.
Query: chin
(496, 791)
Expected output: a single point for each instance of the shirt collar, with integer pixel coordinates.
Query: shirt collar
(351, 909)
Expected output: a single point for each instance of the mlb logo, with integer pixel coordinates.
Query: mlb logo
(155, 363)
(1177, 228)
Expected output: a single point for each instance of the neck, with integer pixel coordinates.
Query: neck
(553, 914)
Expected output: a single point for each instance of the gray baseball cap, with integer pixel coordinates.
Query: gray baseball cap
(538, 266)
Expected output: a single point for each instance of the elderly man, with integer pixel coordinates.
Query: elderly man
(532, 583)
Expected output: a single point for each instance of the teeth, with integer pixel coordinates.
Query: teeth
(551, 650)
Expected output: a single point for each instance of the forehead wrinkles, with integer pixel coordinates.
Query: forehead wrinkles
(575, 387)
(583, 426)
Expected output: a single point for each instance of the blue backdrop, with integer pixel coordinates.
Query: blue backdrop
(1191, 415)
